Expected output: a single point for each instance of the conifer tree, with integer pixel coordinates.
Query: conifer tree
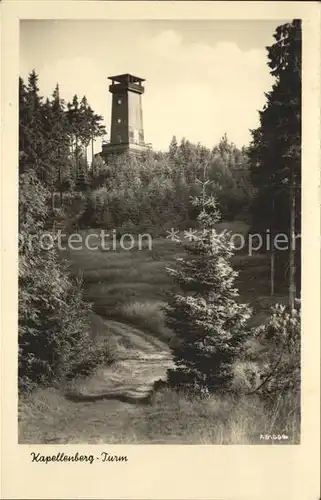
(85, 124)
(43, 137)
(209, 323)
(275, 154)
(58, 141)
(23, 124)
(74, 130)
(31, 127)
(84, 127)
(82, 179)
(173, 148)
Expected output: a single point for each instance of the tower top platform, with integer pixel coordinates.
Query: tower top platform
(126, 78)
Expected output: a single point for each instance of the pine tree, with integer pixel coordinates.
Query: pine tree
(173, 148)
(43, 142)
(84, 127)
(82, 179)
(275, 152)
(74, 130)
(85, 124)
(96, 130)
(23, 123)
(31, 127)
(57, 139)
(209, 323)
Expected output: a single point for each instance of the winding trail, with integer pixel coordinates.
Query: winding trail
(140, 360)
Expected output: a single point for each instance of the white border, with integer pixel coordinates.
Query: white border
(171, 472)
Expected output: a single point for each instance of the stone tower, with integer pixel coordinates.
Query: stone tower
(127, 132)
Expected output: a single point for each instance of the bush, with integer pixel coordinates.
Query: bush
(281, 337)
(54, 331)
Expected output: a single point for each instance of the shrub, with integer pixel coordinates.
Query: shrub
(54, 338)
(209, 322)
(281, 337)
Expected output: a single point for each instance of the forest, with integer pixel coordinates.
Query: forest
(196, 329)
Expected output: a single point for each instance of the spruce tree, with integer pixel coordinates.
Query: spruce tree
(275, 154)
(60, 143)
(31, 140)
(208, 320)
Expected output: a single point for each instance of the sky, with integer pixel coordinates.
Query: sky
(203, 78)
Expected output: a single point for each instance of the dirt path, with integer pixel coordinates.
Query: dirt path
(140, 360)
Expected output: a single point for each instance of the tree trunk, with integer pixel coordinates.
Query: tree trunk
(292, 284)
(272, 269)
(60, 185)
(92, 156)
(77, 156)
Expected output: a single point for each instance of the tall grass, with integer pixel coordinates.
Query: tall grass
(147, 315)
(171, 417)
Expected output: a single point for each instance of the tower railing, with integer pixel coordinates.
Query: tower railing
(137, 143)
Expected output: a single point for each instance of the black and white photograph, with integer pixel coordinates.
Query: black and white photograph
(160, 249)
(159, 232)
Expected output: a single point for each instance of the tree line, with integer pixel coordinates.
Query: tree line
(153, 191)
(54, 136)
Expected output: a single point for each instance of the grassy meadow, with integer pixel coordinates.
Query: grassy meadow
(127, 290)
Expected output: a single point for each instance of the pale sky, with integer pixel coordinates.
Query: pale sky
(203, 78)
